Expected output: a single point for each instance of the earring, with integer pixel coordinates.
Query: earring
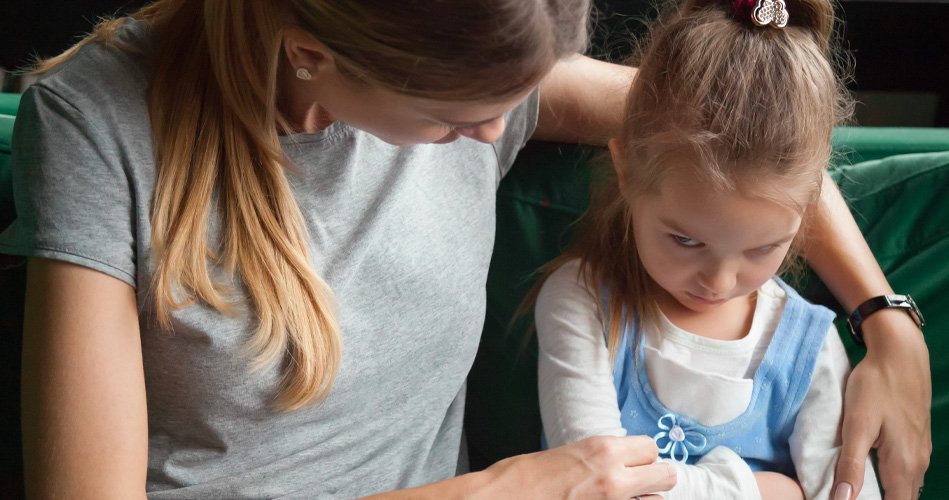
(304, 74)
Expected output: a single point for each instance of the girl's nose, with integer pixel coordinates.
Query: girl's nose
(486, 132)
(718, 279)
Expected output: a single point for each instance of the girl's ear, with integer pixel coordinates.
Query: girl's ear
(305, 51)
(616, 152)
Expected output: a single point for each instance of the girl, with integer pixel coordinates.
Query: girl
(665, 318)
(260, 232)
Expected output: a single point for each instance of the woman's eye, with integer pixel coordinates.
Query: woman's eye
(686, 242)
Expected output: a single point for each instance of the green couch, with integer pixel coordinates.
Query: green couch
(894, 179)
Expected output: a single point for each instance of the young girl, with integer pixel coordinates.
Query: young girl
(666, 318)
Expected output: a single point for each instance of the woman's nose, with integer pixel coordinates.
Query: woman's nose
(486, 132)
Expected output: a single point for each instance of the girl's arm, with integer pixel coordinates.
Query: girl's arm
(889, 393)
(816, 440)
(578, 399)
(775, 486)
(85, 428)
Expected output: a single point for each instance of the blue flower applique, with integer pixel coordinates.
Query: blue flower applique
(676, 441)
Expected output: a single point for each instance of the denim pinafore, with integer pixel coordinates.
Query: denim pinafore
(760, 434)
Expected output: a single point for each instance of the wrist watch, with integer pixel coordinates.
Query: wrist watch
(875, 304)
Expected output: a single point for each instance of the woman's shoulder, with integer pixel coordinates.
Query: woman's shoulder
(109, 78)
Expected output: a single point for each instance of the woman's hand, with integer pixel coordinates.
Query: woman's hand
(602, 467)
(887, 406)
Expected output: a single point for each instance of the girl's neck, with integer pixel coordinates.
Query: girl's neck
(729, 321)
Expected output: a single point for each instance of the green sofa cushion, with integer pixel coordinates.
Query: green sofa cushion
(858, 144)
(899, 203)
(9, 103)
(6, 181)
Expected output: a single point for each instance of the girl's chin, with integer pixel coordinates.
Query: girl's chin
(450, 137)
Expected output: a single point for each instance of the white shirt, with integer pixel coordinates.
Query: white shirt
(708, 379)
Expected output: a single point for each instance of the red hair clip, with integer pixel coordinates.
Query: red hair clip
(762, 12)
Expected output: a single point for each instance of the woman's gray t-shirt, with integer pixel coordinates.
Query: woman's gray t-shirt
(403, 235)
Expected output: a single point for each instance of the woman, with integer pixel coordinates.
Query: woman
(261, 231)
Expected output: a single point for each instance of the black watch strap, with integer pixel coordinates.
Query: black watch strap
(879, 303)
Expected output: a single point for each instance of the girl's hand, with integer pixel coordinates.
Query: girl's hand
(601, 467)
(887, 406)
(775, 486)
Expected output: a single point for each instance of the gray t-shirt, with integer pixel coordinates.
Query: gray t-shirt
(403, 235)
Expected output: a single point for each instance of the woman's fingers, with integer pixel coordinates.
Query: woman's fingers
(641, 474)
(618, 468)
(902, 468)
(647, 479)
(638, 450)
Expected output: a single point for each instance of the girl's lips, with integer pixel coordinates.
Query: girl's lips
(704, 301)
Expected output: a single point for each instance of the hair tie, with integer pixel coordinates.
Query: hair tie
(762, 12)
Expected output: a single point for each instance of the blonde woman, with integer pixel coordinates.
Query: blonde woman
(260, 231)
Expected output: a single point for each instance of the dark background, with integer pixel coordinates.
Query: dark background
(900, 50)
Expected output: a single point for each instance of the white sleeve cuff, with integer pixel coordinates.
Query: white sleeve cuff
(719, 475)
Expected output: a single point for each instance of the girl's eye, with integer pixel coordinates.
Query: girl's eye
(686, 242)
(766, 249)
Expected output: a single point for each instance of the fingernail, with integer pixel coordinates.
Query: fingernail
(843, 491)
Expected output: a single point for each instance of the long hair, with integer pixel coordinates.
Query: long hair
(213, 111)
(746, 105)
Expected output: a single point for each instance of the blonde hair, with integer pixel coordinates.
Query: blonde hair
(747, 106)
(213, 112)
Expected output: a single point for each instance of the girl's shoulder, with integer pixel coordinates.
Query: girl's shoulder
(567, 282)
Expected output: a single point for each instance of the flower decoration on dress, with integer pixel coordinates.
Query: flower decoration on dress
(676, 441)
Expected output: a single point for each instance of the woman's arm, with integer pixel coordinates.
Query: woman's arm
(889, 393)
(602, 467)
(85, 428)
(583, 101)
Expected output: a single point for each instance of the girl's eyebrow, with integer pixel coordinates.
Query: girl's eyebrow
(673, 226)
(782, 240)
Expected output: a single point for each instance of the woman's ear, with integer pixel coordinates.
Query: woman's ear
(616, 152)
(305, 52)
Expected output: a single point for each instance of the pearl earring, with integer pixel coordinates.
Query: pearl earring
(304, 74)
